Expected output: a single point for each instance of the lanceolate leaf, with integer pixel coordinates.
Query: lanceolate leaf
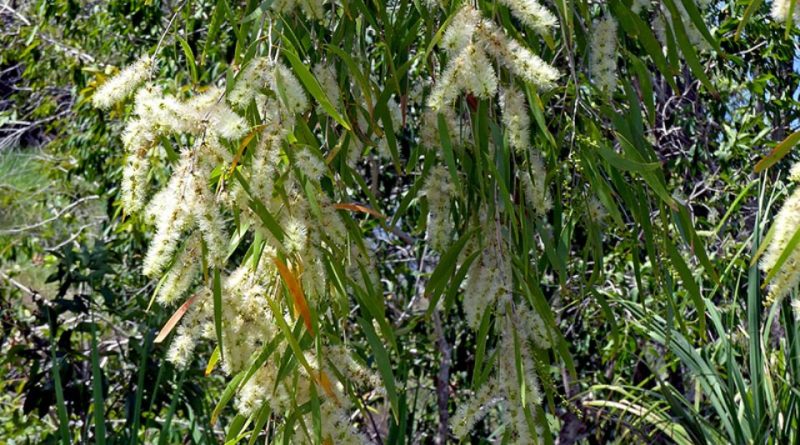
(174, 319)
(296, 291)
(313, 87)
(777, 153)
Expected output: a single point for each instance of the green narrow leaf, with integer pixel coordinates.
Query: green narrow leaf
(217, 288)
(61, 406)
(355, 71)
(696, 244)
(137, 404)
(258, 207)
(213, 29)
(443, 272)
(313, 87)
(645, 87)
(388, 130)
(261, 420)
(234, 428)
(699, 24)
(187, 51)
(166, 428)
(752, 7)
(777, 153)
(625, 164)
(690, 284)
(297, 350)
(643, 33)
(383, 363)
(97, 393)
(689, 53)
(226, 396)
(607, 313)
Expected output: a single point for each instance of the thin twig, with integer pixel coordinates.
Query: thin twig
(66, 209)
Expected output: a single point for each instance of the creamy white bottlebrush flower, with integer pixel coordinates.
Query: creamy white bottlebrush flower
(532, 324)
(172, 216)
(466, 39)
(313, 8)
(439, 191)
(503, 387)
(332, 224)
(509, 376)
(265, 161)
(516, 119)
(786, 223)
(206, 214)
(124, 83)
(337, 428)
(603, 56)
(597, 212)
(250, 80)
(476, 408)
(519, 59)
(258, 390)
(534, 185)
(262, 72)
(665, 18)
(327, 80)
(289, 89)
(296, 234)
(488, 279)
(780, 10)
(183, 271)
(461, 30)
(246, 320)
(225, 123)
(640, 5)
(429, 128)
(354, 372)
(191, 230)
(161, 113)
(532, 14)
(187, 200)
(469, 71)
(794, 172)
(190, 331)
(133, 192)
(309, 164)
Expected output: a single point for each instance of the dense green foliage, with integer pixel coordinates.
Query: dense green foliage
(644, 271)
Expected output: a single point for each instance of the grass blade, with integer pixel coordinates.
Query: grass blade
(61, 406)
(97, 392)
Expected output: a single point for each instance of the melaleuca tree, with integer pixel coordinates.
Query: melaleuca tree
(518, 139)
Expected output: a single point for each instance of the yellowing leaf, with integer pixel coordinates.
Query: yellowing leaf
(212, 362)
(300, 304)
(173, 321)
(245, 142)
(325, 383)
(359, 208)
